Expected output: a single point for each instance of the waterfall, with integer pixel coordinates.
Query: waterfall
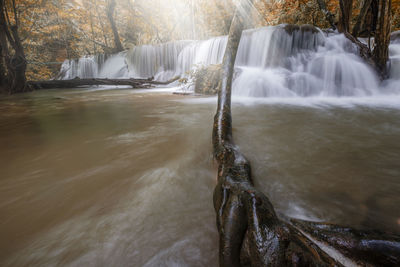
(273, 46)
(68, 70)
(392, 85)
(302, 61)
(85, 67)
(115, 66)
(158, 61)
(394, 52)
(202, 53)
(274, 61)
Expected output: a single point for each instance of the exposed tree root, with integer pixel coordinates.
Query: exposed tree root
(364, 247)
(250, 232)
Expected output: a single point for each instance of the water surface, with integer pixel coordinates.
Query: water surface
(105, 178)
(125, 177)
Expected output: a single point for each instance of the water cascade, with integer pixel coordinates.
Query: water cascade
(85, 67)
(114, 67)
(274, 61)
(392, 84)
(158, 61)
(301, 61)
(394, 51)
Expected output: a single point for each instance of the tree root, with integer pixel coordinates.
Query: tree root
(250, 232)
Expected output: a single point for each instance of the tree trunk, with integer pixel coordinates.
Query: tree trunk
(93, 34)
(346, 9)
(250, 232)
(16, 64)
(361, 17)
(328, 15)
(16, 70)
(102, 25)
(378, 23)
(382, 36)
(110, 15)
(2, 70)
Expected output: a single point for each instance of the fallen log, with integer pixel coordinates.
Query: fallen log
(74, 83)
(250, 232)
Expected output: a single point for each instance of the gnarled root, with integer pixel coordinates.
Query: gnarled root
(250, 232)
(368, 247)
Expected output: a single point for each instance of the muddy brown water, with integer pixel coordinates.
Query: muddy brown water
(125, 177)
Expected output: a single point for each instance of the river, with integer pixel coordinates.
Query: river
(125, 177)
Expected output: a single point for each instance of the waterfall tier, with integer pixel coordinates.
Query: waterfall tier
(275, 61)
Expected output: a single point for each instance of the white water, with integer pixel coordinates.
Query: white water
(271, 62)
(394, 52)
(85, 67)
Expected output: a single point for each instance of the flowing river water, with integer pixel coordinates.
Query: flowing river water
(125, 177)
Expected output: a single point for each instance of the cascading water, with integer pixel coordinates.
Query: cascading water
(275, 61)
(300, 62)
(69, 70)
(395, 60)
(273, 46)
(86, 67)
(159, 61)
(202, 53)
(392, 85)
(114, 67)
(394, 52)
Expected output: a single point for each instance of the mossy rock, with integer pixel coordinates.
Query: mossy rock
(207, 79)
(290, 28)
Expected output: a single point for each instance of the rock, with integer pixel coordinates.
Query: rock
(290, 28)
(207, 79)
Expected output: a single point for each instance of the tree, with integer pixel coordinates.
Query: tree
(361, 17)
(375, 15)
(110, 16)
(15, 60)
(328, 15)
(382, 35)
(51, 31)
(250, 232)
(345, 14)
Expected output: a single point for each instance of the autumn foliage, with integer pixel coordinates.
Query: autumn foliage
(52, 31)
